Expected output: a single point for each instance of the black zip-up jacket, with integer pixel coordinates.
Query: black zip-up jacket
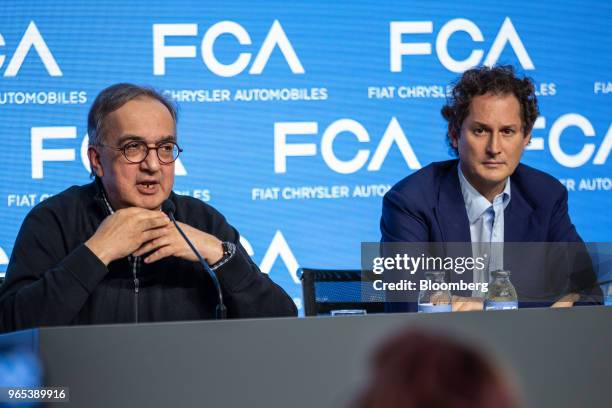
(54, 279)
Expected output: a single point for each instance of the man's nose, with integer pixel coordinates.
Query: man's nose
(494, 145)
(151, 162)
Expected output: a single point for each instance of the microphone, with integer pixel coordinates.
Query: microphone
(221, 311)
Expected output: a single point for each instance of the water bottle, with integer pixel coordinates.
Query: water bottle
(501, 294)
(435, 297)
(608, 295)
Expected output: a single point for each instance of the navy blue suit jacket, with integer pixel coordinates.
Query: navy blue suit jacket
(428, 206)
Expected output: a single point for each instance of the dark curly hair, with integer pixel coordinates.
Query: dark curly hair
(479, 81)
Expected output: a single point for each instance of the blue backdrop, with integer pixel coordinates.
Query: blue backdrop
(297, 117)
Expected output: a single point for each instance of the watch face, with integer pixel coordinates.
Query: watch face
(227, 249)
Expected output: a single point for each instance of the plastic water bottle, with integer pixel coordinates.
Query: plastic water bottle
(501, 294)
(436, 297)
(608, 295)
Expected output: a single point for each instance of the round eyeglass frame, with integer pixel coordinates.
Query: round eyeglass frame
(142, 143)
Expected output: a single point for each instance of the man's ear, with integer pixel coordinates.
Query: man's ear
(452, 133)
(527, 139)
(94, 161)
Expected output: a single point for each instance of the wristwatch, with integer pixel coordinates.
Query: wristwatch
(229, 249)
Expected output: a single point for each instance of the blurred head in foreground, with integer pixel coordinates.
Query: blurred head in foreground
(419, 369)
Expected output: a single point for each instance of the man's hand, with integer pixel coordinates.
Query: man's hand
(465, 304)
(171, 243)
(566, 301)
(125, 231)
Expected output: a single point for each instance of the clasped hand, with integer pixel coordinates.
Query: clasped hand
(139, 231)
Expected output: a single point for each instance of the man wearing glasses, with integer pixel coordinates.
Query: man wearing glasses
(105, 253)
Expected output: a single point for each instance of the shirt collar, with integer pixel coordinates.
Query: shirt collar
(475, 203)
(101, 194)
(108, 206)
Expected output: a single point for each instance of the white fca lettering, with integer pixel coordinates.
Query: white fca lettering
(393, 134)
(31, 38)
(278, 247)
(585, 154)
(41, 155)
(3, 258)
(276, 38)
(507, 34)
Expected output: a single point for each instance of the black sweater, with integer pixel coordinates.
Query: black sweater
(54, 279)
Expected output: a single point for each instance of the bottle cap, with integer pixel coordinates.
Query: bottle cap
(435, 274)
(501, 273)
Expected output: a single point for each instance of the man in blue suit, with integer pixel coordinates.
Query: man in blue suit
(487, 196)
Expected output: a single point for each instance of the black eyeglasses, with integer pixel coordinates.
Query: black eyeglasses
(137, 151)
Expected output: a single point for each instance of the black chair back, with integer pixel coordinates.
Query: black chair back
(325, 290)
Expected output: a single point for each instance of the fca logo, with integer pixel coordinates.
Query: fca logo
(276, 38)
(31, 38)
(507, 34)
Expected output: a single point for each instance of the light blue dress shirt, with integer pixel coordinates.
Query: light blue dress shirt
(486, 226)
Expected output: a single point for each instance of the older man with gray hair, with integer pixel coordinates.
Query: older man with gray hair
(105, 253)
